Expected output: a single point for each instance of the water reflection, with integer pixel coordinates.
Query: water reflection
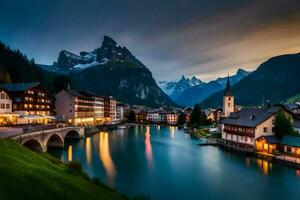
(264, 165)
(172, 131)
(105, 157)
(248, 162)
(88, 150)
(148, 147)
(70, 153)
(158, 127)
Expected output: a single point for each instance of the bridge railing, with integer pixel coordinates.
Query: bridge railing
(33, 134)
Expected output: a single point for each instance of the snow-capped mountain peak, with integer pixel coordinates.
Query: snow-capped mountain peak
(175, 88)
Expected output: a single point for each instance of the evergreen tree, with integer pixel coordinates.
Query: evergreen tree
(283, 124)
(131, 116)
(181, 119)
(196, 116)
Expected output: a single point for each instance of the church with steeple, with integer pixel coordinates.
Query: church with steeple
(228, 100)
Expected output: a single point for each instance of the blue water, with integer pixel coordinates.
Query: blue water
(166, 163)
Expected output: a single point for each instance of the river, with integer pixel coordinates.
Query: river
(166, 163)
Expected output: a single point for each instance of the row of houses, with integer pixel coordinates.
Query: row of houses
(23, 103)
(158, 116)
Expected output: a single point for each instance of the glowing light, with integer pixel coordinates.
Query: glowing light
(158, 127)
(172, 131)
(265, 167)
(298, 172)
(70, 153)
(148, 147)
(105, 157)
(88, 150)
(248, 162)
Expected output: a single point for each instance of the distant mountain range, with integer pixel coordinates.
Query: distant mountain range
(175, 89)
(276, 80)
(187, 92)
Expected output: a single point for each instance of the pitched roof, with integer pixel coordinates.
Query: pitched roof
(250, 117)
(19, 87)
(270, 139)
(291, 140)
(77, 93)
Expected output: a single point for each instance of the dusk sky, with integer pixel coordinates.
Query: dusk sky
(171, 37)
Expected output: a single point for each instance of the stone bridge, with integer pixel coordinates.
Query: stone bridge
(52, 138)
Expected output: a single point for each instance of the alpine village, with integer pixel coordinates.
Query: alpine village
(97, 125)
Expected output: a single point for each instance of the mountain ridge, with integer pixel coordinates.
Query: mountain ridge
(275, 80)
(111, 70)
(198, 92)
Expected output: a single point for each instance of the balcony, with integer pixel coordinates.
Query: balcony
(236, 132)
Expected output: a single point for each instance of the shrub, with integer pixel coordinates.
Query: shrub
(74, 165)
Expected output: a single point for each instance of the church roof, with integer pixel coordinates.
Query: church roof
(250, 117)
(228, 88)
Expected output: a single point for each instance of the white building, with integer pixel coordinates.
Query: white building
(120, 111)
(98, 109)
(5, 102)
(153, 117)
(113, 108)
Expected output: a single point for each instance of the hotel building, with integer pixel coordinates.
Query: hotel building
(110, 106)
(75, 107)
(30, 99)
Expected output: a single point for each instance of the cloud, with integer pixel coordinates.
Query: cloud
(172, 37)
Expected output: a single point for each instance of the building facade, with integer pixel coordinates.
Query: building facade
(242, 129)
(99, 109)
(153, 117)
(5, 102)
(6, 115)
(75, 107)
(120, 111)
(31, 99)
(172, 118)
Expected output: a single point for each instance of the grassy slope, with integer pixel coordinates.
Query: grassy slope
(28, 175)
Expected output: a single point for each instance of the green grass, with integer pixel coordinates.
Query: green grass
(25, 174)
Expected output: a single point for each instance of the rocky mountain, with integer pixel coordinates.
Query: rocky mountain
(275, 80)
(198, 93)
(111, 70)
(175, 88)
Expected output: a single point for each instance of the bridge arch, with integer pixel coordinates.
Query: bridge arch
(72, 134)
(54, 141)
(33, 145)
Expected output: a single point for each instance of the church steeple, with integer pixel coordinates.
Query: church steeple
(228, 100)
(227, 90)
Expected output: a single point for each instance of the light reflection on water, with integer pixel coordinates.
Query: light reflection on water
(105, 157)
(88, 150)
(158, 159)
(70, 153)
(148, 147)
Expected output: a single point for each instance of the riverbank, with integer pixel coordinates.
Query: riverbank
(29, 175)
